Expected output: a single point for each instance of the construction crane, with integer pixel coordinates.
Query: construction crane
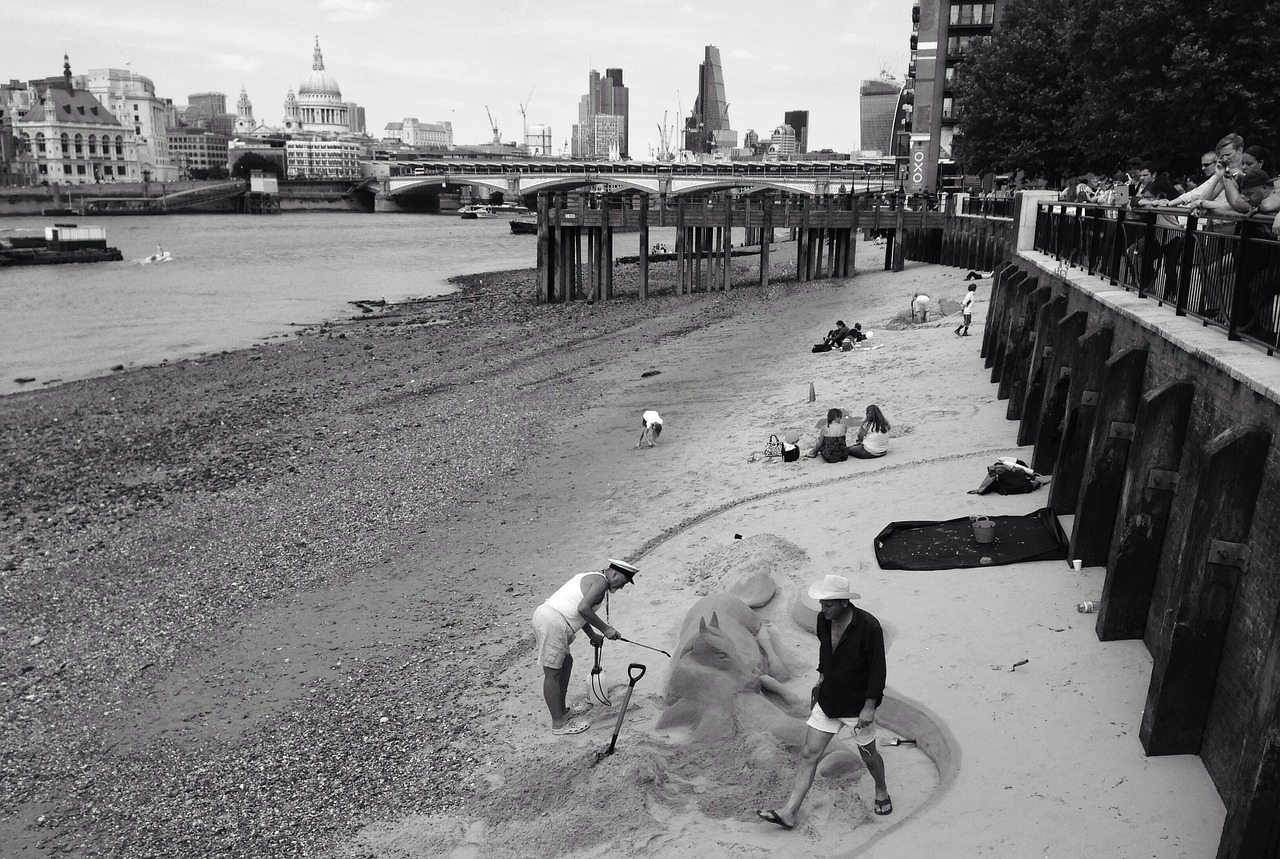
(664, 135)
(524, 120)
(497, 139)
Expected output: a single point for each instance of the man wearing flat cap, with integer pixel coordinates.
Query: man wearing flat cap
(556, 623)
(851, 678)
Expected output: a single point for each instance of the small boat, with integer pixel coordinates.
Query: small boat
(525, 224)
(61, 243)
(473, 212)
(508, 209)
(161, 255)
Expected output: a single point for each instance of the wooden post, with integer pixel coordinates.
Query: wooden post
(1015, 327)
(682, 248)
(1150, 485)
(899, 230)
(577, 262)
(1058, 382)
(1104, 469)
(1018, 359)
(593, 263)
(995, 308)
(606, 255)
(1254, 796)
(728, 240)
(1211, 557)
(644, 247)
(547, 248)
(995, 336)
(1042, 354)
(1087, 372)
(766, 237)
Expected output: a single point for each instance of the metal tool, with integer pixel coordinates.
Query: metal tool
(645, 646)
(899, 741)
(635, 670)
(597, 681)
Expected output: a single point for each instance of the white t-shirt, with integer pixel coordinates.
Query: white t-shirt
(567, 599)
(967, 306)
(651, 417)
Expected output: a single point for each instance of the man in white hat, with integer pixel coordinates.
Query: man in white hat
(555, 624)
(851, 678)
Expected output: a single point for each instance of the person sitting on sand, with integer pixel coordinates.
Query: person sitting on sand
(651, 428)
(856, 334)
(831, 438)
(836, 335)
(555, 624)
(873, 436)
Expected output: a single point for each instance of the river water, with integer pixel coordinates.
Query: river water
(235, 280)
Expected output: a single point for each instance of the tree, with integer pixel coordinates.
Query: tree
(255, 161)
(1064, 87)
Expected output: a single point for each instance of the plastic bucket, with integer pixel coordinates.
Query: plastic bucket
(984, 530)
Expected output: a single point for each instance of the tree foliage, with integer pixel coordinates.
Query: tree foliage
(1066, 86)
(254, 161)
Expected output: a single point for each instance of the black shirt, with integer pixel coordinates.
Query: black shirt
(855, 671)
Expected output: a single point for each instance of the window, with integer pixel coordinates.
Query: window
(79, 146)
(973, 13)
(93, 145)
(40, 143)
(119, 146)
(948, 108)
(80, 169)
(958, 46)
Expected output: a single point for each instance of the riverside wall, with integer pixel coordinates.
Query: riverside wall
(294, 196)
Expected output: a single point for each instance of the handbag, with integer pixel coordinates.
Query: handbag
(773, 447)
(791, 453)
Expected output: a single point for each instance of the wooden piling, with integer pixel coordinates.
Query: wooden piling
(1087, 370)
(1151, 483)
(1066, 346)
(1211, 557)
(1037, 381)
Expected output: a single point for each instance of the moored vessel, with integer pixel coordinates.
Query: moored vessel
(61, 243)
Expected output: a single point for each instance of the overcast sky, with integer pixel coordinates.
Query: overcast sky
(445, 61)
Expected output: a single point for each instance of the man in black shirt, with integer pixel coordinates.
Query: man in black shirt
(851, 678)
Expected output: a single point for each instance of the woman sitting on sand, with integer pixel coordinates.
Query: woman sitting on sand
(831, 439)
(873, 436)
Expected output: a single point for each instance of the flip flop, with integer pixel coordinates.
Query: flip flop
(571, 728)
(772, 817)
(579, 710)
(884, 806)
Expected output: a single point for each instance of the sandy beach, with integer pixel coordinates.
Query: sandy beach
(276, 602)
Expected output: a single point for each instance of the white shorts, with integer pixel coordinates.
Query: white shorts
(553, 636)
(820, 721)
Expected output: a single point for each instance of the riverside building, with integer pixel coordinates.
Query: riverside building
(132, 99)
(73, 137)
(603, 114)
(707, 128)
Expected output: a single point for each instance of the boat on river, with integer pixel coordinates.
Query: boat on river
(508, 209)
(472, 212)
(525, 224)
(61, 243)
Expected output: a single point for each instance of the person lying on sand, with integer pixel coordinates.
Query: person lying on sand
(555, 624)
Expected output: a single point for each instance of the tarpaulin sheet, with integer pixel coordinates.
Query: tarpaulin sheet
(951, 545)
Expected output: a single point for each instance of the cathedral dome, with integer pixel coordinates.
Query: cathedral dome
(320, 82)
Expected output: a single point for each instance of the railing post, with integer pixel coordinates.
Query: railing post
(1239, 300)
(1147, 276)
(1117, 249)
(1185, 264)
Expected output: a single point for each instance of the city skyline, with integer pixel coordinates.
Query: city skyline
(448, 63)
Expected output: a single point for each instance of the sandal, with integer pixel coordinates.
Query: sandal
(884, 806)
(573, 727)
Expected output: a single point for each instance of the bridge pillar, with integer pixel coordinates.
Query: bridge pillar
(384, 202)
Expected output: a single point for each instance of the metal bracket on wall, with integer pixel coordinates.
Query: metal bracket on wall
(1064, 373)
(1161, 478)
(1089, 398)
(1048, 352)
(1119, 429)
(1229, 554)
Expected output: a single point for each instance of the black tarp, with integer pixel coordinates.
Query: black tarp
(951, 545)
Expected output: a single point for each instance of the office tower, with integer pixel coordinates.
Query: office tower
(878, 110)
(942, 32)
(602, 127)
(799, 122)
(208, 104)
(707, 128)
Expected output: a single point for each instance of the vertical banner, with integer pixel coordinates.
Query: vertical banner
(917, 158)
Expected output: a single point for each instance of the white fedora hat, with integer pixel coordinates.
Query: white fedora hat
(832, 588)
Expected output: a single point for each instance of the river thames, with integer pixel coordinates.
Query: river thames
(235, 280)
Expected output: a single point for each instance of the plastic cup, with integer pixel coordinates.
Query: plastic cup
(1078, 564)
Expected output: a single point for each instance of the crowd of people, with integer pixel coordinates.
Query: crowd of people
(1232, 178)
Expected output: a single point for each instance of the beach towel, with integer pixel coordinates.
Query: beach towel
(950, 544)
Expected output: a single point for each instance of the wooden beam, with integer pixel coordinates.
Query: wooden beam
(995, 331)
(1020, 355)
(1087, 370)
(1108, 454)
(1186, 661)
(1037, 381)
(644, 247)
(1151, 483)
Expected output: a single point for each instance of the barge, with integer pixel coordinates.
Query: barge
(61, 243)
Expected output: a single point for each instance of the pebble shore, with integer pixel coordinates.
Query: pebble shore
(152, 517)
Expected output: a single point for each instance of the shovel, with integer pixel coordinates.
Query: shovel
(635, 671)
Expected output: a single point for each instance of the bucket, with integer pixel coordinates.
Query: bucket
(984, 530)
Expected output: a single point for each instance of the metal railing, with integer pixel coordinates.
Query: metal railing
(1223, 270)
